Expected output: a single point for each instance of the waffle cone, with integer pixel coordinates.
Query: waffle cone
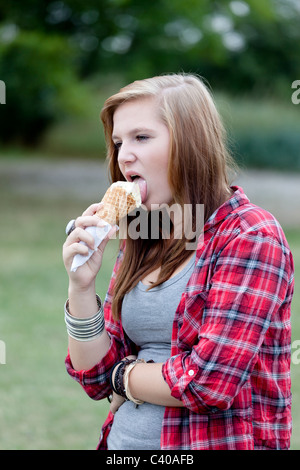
(119, 200)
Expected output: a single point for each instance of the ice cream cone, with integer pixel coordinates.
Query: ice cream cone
(119, 200)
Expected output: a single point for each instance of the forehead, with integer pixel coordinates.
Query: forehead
(136, 112)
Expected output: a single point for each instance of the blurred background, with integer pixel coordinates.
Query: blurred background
(59, 61)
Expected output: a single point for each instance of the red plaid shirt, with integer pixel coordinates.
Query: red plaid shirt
(231, 339)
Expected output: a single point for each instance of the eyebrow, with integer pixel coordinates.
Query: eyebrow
(136, 130)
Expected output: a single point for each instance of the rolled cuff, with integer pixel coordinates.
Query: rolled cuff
(180, 373)
(95, 381)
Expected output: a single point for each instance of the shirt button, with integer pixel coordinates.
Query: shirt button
(191, 372)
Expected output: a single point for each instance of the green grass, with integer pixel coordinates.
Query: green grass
(41, 407)
(294, 241)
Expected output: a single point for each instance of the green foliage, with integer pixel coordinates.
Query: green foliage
(262, 133)
(240, 47)
(260, 149)
(41, 85)
(237, 45)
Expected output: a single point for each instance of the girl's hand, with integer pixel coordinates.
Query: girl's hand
(85, 275)
(116, 402)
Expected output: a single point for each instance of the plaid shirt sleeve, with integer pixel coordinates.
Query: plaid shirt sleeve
(95, 381)
(225, 317)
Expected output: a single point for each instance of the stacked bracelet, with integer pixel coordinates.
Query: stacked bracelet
(119, 383)
(85, 329)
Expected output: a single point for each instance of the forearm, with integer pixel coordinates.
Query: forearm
(82, 295)
(146, 383)
(86, 354)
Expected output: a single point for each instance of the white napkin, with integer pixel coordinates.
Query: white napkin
(99, 234)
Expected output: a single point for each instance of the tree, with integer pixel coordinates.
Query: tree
(238, 46)
(41, 85)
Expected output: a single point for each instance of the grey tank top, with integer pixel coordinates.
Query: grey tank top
(147, 318)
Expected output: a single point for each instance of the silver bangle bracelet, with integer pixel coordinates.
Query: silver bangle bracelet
(85, 329)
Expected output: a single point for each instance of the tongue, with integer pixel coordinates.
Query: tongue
(143, 188)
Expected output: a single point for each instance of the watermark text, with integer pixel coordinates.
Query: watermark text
(2, 352)
(296, 353)
(2, 92)
(165, 222)
(296, 95)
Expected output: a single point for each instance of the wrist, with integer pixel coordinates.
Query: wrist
(76, 290)
(82, 302)
(85, 329)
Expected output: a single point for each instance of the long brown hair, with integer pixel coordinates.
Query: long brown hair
(198, 168)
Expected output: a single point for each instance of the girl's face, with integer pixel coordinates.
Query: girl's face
(143, 143)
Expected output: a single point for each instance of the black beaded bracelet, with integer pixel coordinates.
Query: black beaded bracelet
(117, 384)
(111, 374)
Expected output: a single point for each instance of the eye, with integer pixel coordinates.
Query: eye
(142, 138)
(117, 145)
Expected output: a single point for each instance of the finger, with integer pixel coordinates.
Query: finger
(81, 235)
(76, 249)
(86, 221)
(92, 209)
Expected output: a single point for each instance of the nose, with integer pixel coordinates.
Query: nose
(125, 154)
